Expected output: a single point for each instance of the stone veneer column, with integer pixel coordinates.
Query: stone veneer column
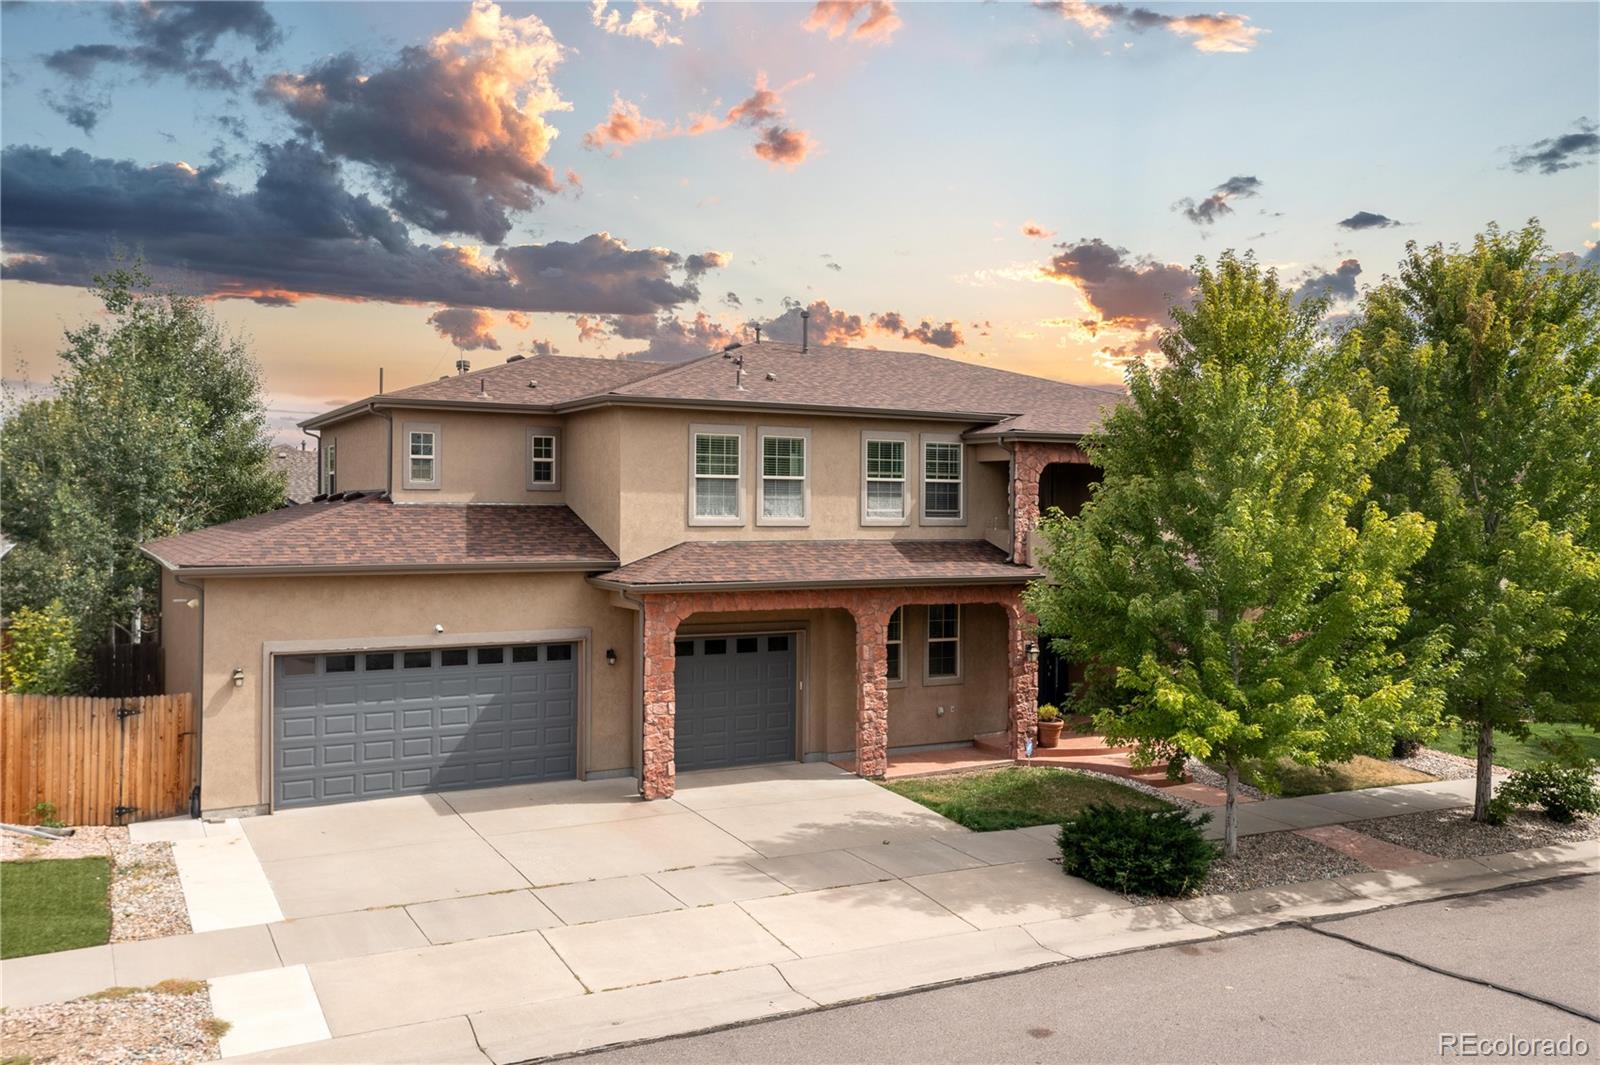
(658, 778)
(1028, 461)
(1023, 677)
(872, 687)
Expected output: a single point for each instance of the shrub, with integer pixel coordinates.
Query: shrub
(40, 652)
(1049, 712)
(1405, 747)
(1564, 791)
(1138, 852)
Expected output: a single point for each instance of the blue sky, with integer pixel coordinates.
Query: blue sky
(902, 165)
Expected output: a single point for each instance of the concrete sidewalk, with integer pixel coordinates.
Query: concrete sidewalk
(1341, 807)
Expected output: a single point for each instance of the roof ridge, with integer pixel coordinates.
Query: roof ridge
(667, 370)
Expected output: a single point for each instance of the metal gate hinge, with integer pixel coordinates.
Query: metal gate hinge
(125, 712)
(120, 812)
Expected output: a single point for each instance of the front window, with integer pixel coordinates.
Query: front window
(944, 642)
(885, 474)
(329, 477)
(716, 476)
(422, 457)
(783, 479)
(896, 645)
(541, 460)
(941, 480)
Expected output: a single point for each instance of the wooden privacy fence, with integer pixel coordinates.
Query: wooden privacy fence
(97, 761)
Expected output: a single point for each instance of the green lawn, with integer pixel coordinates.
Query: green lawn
(1358, 772)
(1016, 797)
(52, 905)
(1520, 754)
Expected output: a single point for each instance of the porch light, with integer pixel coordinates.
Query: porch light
(238, 676)
(1031, 649)
(611, 656)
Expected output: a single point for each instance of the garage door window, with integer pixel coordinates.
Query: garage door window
(376, 663)
(300, 665)
(419, 659)
(340, 663)
(558, 652)
(491, 656)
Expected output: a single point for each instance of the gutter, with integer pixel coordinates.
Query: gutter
(580, 565)
(199, 691)
(388, 465)
(1021, 577)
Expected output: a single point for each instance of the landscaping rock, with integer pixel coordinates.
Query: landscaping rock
(170, 1023)
(1453, 833)
(1276, 858)
(146, 896)
(1445, 765)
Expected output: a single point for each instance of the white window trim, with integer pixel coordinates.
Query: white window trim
(900, 681)
(928, 640)
(922, 477)
(908, 502)
(405, 456)
(760, 457)
(741, 491)
(330, 469)
(527, 451)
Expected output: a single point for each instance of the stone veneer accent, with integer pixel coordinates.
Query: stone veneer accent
(870, 607)
(1028, 461)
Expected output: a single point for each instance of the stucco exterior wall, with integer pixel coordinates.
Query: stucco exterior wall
(654, 452)
(482, 457)
(362, 448)
(594, 463)
(243, 614)
(180, 635)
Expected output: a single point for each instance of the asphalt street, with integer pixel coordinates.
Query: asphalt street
(1383, 987)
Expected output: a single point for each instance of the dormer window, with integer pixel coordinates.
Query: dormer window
(544, 456)
(422, 456)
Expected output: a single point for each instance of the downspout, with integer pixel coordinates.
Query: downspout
(629, 602)
(388, 463)
(316, 434)
(1011, 494)
(199, 692)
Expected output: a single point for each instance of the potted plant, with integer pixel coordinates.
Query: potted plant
(1050, 725)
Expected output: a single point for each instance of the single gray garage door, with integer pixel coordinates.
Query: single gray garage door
(736, 698)
(368, 725)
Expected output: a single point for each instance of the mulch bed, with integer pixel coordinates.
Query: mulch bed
(146, 896)
(169, 1023)
(1453, 833)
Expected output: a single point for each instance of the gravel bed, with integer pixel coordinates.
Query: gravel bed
(122, 1025)
(146, 896)
(1201, 773)
(1272, 859)
(1453, 833)
(1445, 765)
(1135, 785)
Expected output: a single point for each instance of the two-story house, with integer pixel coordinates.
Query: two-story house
(573, 567)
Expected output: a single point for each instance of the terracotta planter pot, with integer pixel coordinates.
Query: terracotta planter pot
(1050, 732)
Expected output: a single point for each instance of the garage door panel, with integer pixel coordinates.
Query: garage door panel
(364, 726)
(735, 701)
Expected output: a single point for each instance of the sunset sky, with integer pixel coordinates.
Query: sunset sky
(380, 184)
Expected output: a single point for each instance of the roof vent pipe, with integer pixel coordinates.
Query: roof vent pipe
(805, 331)
(462, 366)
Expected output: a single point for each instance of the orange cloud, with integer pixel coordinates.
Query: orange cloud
(646, 23)
(762, 109)
(624, 125)
(784, 147)
(1220, 32)
(835, 18)
(1030, 228)
(468, 328)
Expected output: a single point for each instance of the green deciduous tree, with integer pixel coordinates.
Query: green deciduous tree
(40, 652)
(1228, 573)
(156, 426)
(1492, 355)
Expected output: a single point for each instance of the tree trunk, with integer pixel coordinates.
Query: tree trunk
(1230, 827)
(1480, 799)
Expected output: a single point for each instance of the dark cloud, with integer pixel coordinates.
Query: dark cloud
(78, 109)
(695, 266)
(671, 338)
(732, 300)
(468, 328)
(175, 38)
(1207, 211)
(945, 335)
(1130, 292)
(297, 233)
(1367, 220)
(541, 347)
(1555, 154)
(1220, 32)
(454, 129)
(1339, 283)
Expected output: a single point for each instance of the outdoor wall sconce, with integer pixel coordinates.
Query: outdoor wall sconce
(1031, 649)
(611, 656)
(238, 676)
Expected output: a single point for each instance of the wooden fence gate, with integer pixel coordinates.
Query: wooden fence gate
(97, 761)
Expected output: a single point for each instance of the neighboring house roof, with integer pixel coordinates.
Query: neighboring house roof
(779, 376)
(299, 466)
(370, 532)
(729, 564)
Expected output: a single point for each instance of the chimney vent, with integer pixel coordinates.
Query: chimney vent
(462, 366)
(805, 331)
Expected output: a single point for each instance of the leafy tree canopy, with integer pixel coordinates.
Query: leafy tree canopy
(1229, 573)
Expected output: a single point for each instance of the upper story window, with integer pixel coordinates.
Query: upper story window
(422, 456)
(944, 642)
(896, 642)
(883, 479)
(785, 487)
(943, 498)
(717, 475)
(330, 478)
(544, 457)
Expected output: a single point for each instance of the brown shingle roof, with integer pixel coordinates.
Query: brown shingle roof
(824, 378)
(299, 468)
(373, 533)
(773, 563)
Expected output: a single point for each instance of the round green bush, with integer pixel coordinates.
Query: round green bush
(1138, 852)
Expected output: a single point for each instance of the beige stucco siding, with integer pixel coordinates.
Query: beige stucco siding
(654, 452)
(180, 635)
(594, 462)
(243, 615)
(482, 457)
(362, 448)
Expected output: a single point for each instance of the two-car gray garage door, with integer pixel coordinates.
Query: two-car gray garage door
(373, 724)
